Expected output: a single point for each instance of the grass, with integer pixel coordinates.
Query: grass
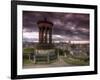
(81, 57)
(26, 61)
(28, 50)
(75, 60)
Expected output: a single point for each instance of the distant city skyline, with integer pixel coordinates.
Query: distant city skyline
(67, 26)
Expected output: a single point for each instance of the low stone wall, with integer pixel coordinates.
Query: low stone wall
(47, 55)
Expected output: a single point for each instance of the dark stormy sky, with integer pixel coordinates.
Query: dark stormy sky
(66, 26)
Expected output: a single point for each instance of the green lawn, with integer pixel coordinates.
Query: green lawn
(76, 60)
(28, 50)
(26, 61)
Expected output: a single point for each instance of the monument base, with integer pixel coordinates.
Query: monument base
(44, 55)
(45, 46)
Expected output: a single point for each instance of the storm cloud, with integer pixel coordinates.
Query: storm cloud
(66, 26)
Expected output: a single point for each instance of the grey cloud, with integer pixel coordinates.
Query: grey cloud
(71, 25)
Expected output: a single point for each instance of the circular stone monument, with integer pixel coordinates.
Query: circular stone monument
(45, 50)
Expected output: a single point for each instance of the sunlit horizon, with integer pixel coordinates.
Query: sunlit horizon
(33, 37)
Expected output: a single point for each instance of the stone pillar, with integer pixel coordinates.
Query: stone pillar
(48, 59)
(50, 35)
(34, 59)
(40, 35)
(29, 57)
(46, 35)
(65, 54)
(58, 53)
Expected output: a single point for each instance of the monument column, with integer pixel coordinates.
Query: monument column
(50, 35)
(42, 35)
(40, 32)
(46, 30)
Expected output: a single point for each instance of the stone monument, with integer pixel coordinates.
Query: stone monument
(45, 50)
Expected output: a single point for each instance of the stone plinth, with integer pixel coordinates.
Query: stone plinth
(45, 56)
